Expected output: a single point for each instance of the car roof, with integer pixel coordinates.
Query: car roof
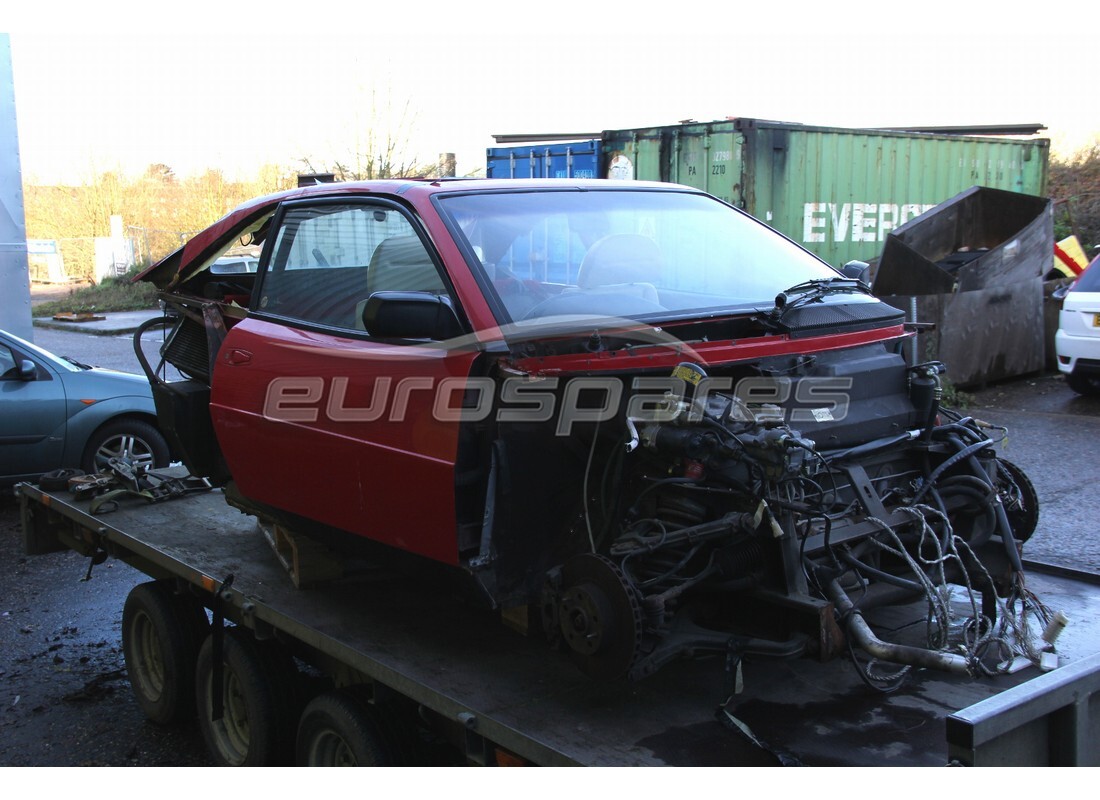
(415, 187)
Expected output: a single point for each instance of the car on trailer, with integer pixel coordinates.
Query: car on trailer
(631, 407)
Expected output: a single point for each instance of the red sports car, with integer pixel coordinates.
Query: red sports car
(630, 407)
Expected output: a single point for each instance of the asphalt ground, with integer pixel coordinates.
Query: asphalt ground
(64, 695)
(1053, 434)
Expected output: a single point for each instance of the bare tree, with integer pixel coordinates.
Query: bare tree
(379, 147)
(1075, 188)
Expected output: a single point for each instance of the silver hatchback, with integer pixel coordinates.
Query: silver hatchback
(57, 413)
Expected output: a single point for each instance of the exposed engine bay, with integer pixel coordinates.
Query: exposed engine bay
(741, 526)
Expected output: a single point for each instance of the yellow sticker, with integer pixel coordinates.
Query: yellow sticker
(687, 374)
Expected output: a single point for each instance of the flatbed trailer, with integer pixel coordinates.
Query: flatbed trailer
(489, 695)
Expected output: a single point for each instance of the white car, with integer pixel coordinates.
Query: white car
(1078, 339)
(235, 265)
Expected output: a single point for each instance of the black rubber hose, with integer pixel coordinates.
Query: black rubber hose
(970, 481)
(874, 572)
(960, 427)
(864, 449)
(986, 504)
(965, 452)
(1007, 538)
(981, 495)
(142, 360)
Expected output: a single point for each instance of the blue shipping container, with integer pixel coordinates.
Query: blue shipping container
(558, 160)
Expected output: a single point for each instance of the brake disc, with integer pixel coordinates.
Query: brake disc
(599, 617)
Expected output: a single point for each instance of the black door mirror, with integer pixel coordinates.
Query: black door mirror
(859, 270)
(410, 315)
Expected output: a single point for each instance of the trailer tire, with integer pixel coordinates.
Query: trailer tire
(336, 730)
(161, 635)
(254, 728)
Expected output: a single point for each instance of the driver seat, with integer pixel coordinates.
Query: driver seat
(629, 263)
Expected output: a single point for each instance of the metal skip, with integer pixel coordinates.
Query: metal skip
(974, 267)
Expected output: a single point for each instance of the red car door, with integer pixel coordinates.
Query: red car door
(321, 417)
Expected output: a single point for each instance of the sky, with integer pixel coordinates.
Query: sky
(234, 85)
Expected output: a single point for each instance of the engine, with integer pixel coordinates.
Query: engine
(768, 517)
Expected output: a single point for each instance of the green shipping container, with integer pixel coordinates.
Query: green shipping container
(836, 191)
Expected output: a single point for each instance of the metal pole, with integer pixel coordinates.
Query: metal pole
(913, 345)
(15, 282)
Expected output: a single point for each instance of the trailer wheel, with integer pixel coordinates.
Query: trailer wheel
(336, 730)
(253, 730)
(161, 635)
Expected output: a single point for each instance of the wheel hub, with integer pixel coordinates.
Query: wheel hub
(599, 617)
(585, 611)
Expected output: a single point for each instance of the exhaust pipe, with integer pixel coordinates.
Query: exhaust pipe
(865, 639)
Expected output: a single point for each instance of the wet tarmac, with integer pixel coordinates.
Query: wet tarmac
(1053, 434)
(64, 695)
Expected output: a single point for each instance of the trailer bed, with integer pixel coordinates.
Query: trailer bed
(460, 661)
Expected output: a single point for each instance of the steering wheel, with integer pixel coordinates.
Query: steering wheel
(519, 295)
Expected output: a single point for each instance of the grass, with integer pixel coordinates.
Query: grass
(113, 294)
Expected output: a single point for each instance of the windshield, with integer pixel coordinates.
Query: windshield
(60, 363)
(648, 254)
(1090, 278)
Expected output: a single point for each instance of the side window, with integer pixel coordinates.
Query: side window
(328, 260)
(8, 366)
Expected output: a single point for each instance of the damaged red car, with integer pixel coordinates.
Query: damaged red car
(630, 408)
